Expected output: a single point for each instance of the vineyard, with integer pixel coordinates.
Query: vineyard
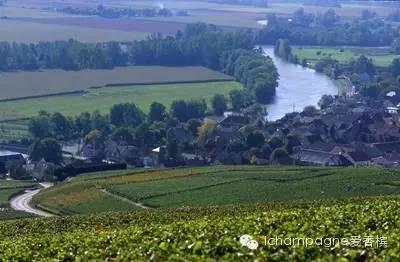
(212, 233)
(218, 185)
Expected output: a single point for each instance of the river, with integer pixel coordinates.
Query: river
(298, 87)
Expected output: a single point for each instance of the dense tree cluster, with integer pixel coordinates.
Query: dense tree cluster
(257, 73)
(114, 12)
(68, 55)
(199, 44)
(328, 29)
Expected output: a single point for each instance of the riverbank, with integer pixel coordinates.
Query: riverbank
(298, 87)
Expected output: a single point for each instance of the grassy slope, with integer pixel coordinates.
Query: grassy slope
(225, 185)
(380, 56)
(103, 99)
(208, 234)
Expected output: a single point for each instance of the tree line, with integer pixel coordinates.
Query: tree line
(113, 12)
(328, 29)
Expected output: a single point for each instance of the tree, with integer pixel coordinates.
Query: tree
(157, 112)
(275, 142)
(255, 139)
(196, 108)
(48, 149)
(325, 101)
(219, 104)
(61, 126)
(239, 99)
(329, 18)
(266, 151)
(123, 134)
(279, 156)
(127, 114)
(100, 122)
(283, 49)
(83, 123)
(179, 110)
(310, 111)
(300, 18)
(395, 67)
(193, 126)
(39, 126)
(363, 65)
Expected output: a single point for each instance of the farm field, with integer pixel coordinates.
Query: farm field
(103, 99)
(49, 82)
(213, 233)
(139, 26)
(13, 11)
(30, 32)
(380, 56)
(188, 187)
(14, 130)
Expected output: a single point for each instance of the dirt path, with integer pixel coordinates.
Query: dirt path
(140, 205)
(22, 202)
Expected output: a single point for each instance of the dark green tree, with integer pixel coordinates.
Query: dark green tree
(219, 104)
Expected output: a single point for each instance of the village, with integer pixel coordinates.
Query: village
(344, 133)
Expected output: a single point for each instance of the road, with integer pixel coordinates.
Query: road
(22, 202)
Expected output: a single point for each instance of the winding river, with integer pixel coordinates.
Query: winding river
(298, 87)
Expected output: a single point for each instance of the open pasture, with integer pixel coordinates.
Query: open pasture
(380, 56)
(103, 99)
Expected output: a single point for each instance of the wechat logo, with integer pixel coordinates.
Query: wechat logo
(248, 241)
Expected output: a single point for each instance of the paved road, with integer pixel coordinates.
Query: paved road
(22, 202)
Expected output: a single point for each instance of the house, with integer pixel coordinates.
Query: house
(356, 157)
(320, 158)
(43, 171)
(121, 152)
(193, 160)
(234, 121)
(8, 156)
(390, 151)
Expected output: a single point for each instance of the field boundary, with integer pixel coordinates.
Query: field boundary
(43, 96)
(124, 199)
(85, 91)
(166, 83)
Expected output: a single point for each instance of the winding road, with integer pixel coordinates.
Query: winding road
(22, 202)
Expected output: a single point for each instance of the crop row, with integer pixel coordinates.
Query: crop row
(211, 233)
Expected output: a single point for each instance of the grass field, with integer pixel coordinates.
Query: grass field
(380, 56)
(45, 82)
(103, 98)
(177, 188)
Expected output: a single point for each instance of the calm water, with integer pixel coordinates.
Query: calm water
(298, 87)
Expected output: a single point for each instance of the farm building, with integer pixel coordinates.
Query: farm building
(8, 156)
